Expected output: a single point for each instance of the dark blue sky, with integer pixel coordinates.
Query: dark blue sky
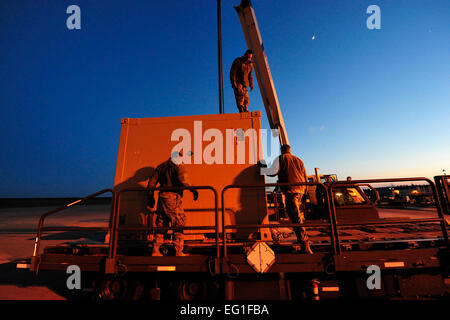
(359, 102)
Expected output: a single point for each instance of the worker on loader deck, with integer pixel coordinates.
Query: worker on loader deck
(290, 169)
(170, 206)
(241, 77)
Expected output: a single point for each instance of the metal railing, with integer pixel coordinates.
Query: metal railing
(443, 186)
(41, 228)
(115, 218)
(328, 205)
(251, 226)
(440, 218)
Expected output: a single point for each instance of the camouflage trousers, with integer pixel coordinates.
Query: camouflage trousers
(170, 212)
(241, 95)
(294, 210)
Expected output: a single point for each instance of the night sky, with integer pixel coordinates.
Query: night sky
(359, 102)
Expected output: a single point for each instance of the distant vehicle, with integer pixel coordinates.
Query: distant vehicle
(396, 200)
(422, 199)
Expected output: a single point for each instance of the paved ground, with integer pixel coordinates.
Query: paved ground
(17, 234)
(18, 230)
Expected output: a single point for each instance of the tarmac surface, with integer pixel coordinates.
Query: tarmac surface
(18, 230)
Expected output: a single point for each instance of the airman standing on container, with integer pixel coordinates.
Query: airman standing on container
(169, 209)
(241, 77)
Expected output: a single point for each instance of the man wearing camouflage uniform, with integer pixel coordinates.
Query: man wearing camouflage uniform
(169, 209)
(291, 169)
(241, 77)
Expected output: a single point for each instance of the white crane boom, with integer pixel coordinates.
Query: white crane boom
(262, 70)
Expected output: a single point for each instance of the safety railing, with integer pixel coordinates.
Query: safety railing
(275, 204)
(329, 206)
(439, 219)
(41, 228)
(443, 188)
(115, 218)
(330, 224)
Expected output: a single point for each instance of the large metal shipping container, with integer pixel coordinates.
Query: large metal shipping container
(218, 150)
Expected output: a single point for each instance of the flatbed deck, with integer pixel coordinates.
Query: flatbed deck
(410, 248)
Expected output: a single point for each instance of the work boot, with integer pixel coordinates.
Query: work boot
(179, 246)
(159, 239)
(306, 248)
(302, 238)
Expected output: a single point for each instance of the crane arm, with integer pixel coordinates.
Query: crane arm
(262, 70)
